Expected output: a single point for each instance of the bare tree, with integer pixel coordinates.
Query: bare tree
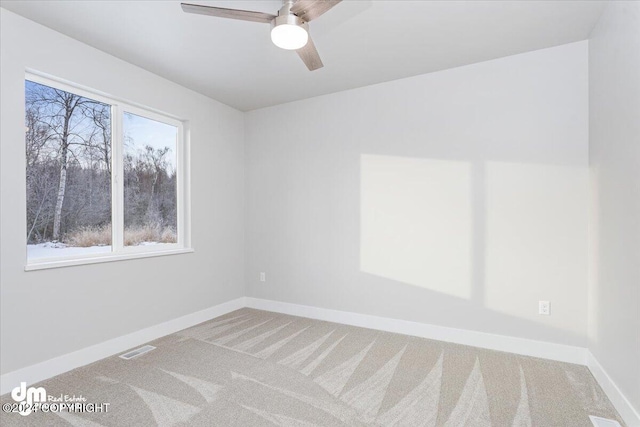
(157, 163)
(37, 135)
(100, 139)
(59, 112)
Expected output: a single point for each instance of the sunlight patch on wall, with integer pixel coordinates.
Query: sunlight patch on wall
(416, 222)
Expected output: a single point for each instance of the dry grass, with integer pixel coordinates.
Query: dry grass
(136, 235)
(101, 236)
(168, 235)
(89, 236)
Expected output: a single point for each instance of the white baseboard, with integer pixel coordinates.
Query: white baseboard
(56, 366)
(617, 398)
(527, 347)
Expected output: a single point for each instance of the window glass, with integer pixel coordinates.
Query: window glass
(150, 197)
(68, 161)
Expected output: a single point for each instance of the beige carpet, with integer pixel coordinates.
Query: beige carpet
(256, 368)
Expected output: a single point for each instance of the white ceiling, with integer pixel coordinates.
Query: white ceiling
(361, 42)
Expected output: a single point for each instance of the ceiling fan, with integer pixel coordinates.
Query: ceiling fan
(289, 28)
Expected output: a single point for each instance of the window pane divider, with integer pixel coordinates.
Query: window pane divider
(117, 180)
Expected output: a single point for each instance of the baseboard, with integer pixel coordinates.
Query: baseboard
(619, 401)
(527, 347)
(56, 366)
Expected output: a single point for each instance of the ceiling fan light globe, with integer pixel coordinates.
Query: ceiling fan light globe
(289, 36)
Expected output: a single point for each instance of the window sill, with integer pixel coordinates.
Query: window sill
(43, 265)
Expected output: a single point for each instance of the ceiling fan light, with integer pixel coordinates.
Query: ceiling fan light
(289, 36)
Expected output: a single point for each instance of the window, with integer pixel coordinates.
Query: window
(104, 178)
(150, 202)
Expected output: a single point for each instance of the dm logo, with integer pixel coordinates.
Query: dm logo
(29, 396)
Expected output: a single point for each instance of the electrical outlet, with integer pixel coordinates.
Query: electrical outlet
(263, 277)
(544, 308)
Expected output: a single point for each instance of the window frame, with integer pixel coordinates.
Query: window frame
(118, 250)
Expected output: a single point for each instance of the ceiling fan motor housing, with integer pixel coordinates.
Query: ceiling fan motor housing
(289, 19)
(286, 17)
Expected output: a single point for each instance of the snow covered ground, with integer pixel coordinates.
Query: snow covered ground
(55, 250)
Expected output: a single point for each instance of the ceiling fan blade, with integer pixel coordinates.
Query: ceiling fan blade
(243, 15)
(310, 56)
(308, 10)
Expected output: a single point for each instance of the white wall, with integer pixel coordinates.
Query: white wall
(457, 198)
(614, 142)
(460, 200)
(52, 312)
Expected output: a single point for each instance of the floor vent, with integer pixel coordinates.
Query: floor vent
(603, 422)
(137, 352)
